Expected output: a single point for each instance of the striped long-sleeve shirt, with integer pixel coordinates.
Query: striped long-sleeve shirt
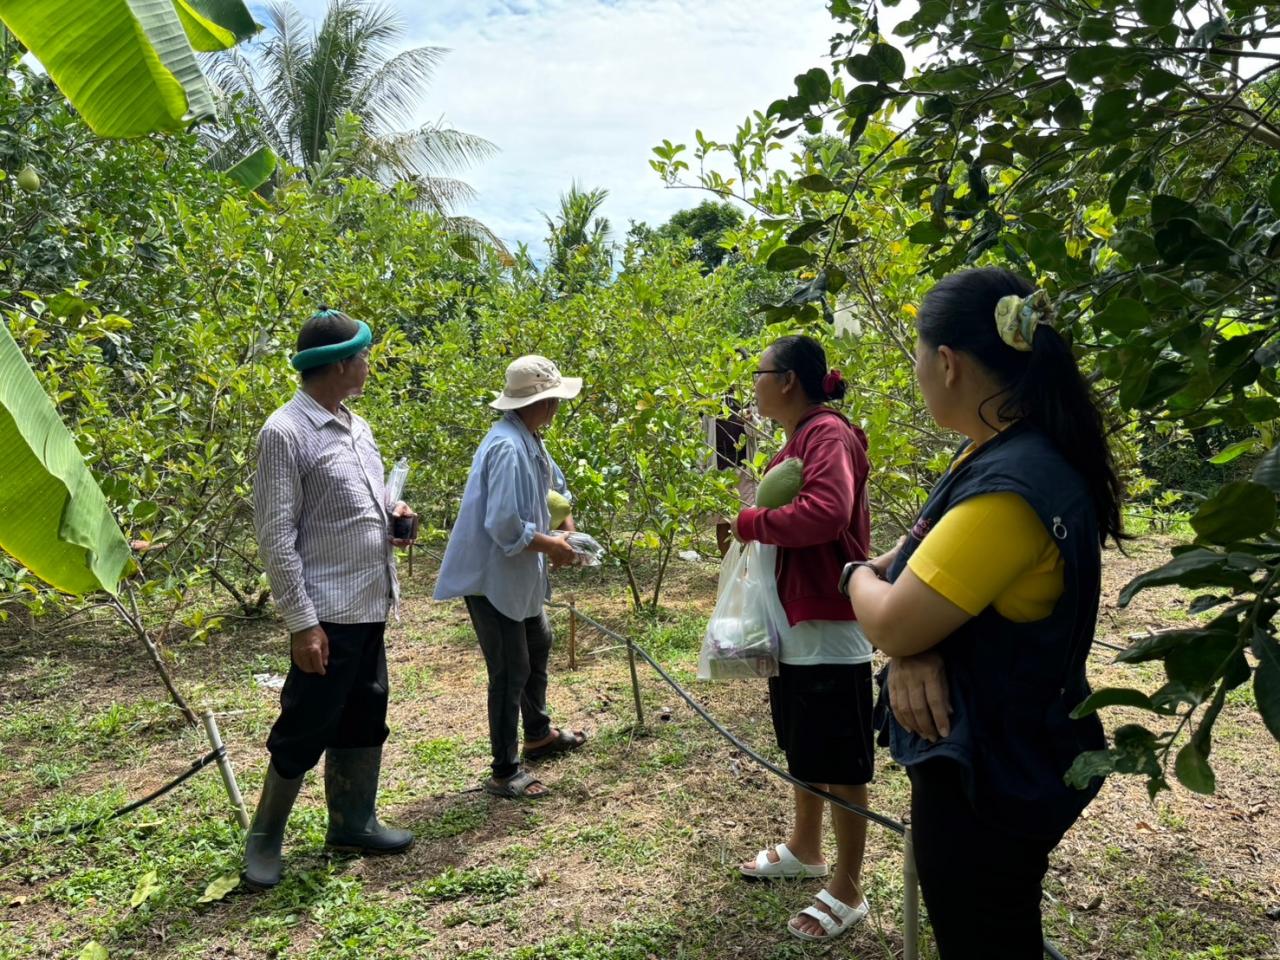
(321, 516)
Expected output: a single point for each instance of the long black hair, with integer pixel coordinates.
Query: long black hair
(1042, 386)
(805, 357)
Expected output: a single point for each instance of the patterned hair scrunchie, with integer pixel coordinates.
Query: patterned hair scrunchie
(1017, 318)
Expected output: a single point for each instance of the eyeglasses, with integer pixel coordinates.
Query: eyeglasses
(757, 374)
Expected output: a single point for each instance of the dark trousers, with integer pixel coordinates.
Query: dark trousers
(516, 653)
(981, 884)
(344, 707)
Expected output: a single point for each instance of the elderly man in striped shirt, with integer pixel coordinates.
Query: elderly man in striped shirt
(324, 534)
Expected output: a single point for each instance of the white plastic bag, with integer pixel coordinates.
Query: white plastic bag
(585, 546)
(742, 636)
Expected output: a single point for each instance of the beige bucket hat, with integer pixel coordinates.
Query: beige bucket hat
(532, 378)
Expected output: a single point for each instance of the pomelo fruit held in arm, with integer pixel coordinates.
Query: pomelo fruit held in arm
(780, 485)
(559, 506)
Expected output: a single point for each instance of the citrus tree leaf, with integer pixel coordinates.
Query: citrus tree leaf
(93, 950)
(53, 517)
(1113, 697)
(1266, 680)
(924, 233)
(1267, 472)
(789, 258)
(1196, 568)
(1156, 13)
(1193, 770)
(1124, 316)
(816, 183)
(1236, 512)
(1233, 451)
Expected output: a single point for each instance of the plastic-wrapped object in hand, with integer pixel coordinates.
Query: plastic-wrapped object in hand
(741, 638)
(395, 481)
(585, 546)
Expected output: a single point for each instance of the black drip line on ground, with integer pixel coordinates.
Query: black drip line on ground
(887, 822)
(1109, 646)
(773, 768)
(210, 758)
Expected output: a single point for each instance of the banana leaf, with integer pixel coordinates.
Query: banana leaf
(128, 66)
(54, 519)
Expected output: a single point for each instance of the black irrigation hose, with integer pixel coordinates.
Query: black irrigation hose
(213, 756)
(1109, 646)
(863, 812)
(1049, 949)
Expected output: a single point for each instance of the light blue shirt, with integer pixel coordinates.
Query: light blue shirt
(503, 505)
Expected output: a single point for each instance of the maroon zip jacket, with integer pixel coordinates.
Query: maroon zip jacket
(827, 525)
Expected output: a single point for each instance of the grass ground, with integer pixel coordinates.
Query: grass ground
(632, 858)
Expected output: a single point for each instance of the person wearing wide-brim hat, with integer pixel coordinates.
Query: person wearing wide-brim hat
(497, 561)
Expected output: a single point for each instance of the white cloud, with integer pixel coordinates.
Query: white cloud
(583, 89)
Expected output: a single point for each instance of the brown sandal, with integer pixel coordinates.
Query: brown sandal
(564, 743)
(516, 787)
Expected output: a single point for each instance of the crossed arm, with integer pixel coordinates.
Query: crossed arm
(906, 620)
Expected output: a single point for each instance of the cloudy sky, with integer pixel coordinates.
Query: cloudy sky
(583, 89)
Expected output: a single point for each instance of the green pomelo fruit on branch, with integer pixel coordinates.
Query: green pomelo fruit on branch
(28, 179)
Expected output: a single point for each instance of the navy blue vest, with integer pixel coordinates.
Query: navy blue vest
(1013, 685)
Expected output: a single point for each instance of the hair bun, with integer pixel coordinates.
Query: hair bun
(833, 385)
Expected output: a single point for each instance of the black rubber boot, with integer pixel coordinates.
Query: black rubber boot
(351, 789)
(266, 833)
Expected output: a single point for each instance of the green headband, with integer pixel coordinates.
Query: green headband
(333, 352)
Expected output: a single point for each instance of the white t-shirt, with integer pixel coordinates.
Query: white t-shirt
(824, 641)
(810, 642)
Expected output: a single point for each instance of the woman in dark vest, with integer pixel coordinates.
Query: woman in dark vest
(987, 609)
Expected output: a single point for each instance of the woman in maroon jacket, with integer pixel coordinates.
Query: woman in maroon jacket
(821, 698)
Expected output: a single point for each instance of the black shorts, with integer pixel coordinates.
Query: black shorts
(344, 707)
(822, 718)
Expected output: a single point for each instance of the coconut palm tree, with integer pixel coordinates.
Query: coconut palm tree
(297, 85)
(579, 248)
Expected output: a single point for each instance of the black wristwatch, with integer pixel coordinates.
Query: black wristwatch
(847, 573)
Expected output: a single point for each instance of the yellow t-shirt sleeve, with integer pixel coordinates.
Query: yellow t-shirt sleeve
(992, 549)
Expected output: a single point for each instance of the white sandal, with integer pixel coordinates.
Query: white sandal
(835, 923)
(788, 866)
